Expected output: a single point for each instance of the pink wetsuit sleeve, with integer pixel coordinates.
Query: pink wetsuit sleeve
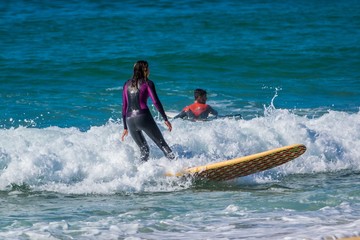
(124, 104)
(155, 99)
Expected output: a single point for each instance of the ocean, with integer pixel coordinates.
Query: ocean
(290, 68)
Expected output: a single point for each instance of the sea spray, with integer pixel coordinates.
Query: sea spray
(96, 161)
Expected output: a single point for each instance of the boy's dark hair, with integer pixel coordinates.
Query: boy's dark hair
(199, 93)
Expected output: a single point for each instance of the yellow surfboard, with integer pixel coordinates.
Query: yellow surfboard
(243, 166)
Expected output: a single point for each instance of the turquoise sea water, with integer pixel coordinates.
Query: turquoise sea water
(291, 69)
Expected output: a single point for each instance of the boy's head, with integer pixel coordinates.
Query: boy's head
(200, 95)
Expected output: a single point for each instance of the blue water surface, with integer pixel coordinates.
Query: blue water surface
(290, 68)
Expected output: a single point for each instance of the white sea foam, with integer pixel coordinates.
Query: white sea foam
(96, 161)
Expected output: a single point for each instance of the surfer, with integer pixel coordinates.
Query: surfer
(199, 110)
(136, 114)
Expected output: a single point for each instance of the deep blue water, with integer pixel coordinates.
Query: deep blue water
(291, 69)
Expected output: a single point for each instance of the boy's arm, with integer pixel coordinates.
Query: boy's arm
(182, 114)
(213, 111)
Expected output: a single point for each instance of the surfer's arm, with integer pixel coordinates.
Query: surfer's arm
(124, 106)
(182, 114)
(155, 99)
(213, 111)
(124, 134)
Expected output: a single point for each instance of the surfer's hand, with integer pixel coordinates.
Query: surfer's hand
(124, 134)
(168, 124)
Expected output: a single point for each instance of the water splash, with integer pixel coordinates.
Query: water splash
(96, 161)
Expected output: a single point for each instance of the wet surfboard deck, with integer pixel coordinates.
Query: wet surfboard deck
(243, 166)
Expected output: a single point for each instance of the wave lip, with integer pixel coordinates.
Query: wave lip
(96, 161)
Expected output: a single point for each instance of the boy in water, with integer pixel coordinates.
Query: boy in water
(199, 110)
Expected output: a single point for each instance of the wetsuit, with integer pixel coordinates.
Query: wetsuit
(137, 117)
(197, 111)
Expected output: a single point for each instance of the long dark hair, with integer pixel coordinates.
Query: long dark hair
(140, 73)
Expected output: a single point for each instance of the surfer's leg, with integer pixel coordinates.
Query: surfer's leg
(149, 126)
(144, 152)
(139, 138)
(141, 142)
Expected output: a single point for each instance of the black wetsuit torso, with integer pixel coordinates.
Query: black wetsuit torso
(137, 117)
